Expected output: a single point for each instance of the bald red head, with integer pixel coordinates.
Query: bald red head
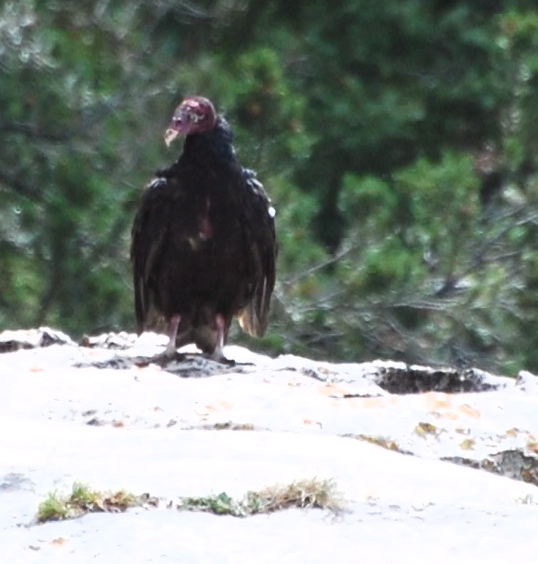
(194, 115)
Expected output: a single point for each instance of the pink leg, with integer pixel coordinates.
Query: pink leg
(218, 353)
(172, 331)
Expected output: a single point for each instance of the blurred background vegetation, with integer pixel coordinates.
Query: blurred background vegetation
(398, 141)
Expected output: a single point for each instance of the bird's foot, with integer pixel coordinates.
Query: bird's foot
(218, 356)
(162, 359)
(227, 361)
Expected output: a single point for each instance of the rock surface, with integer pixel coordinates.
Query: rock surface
(387, 433)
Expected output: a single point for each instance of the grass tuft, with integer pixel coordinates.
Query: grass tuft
(303, 494)
(311, 493)
(82, 500)
(52, 509)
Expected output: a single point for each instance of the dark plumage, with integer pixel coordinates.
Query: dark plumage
(203, 240)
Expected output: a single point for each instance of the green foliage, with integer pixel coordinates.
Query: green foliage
(398, 141)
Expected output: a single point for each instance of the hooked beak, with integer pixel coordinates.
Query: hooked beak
(180, 125)
(170, 134)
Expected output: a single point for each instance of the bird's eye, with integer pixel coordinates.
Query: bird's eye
(197, 117)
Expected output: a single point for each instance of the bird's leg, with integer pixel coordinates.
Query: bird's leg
(172, 331)
(170, 353)
(218, 353)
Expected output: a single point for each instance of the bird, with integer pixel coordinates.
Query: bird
(203, 240)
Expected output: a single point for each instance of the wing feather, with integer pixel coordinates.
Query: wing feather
(147, 239)
(260, 224)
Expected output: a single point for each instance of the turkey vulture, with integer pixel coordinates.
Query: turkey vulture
(203, 240)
